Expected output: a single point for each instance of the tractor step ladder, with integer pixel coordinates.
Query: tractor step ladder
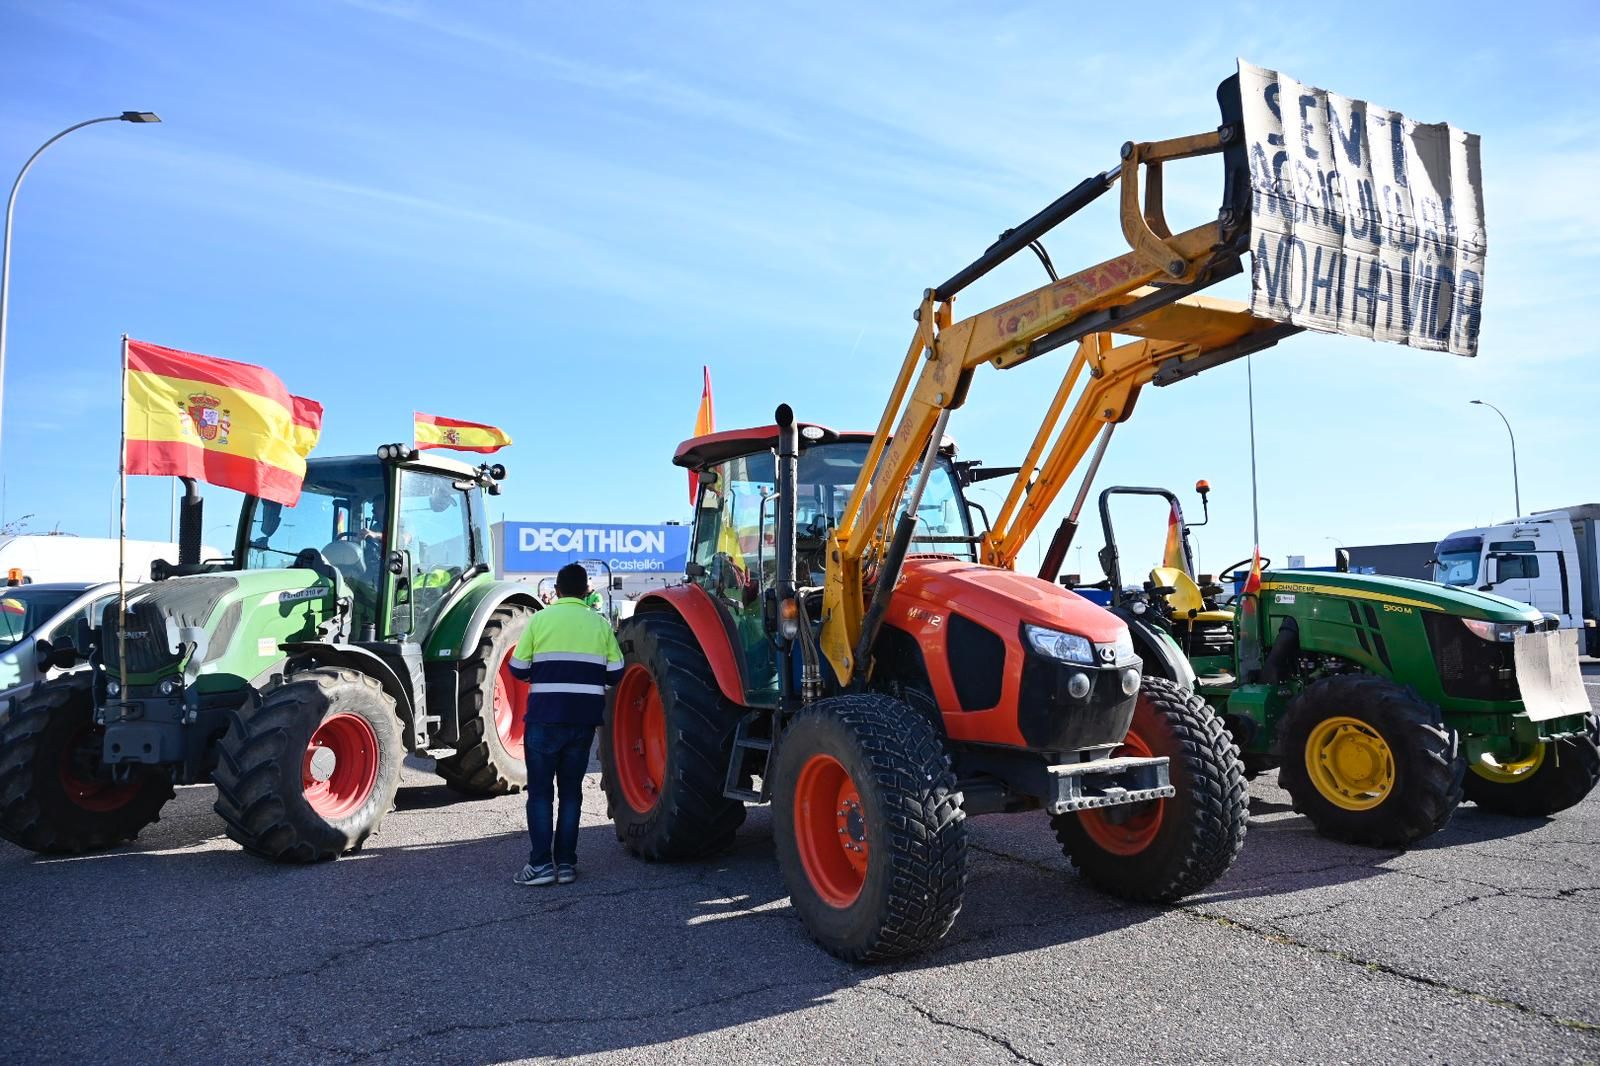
(744, 746)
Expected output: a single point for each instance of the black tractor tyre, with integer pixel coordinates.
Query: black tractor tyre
(263, 762)
(690, 818)
(54, 797)
(908, 823)
(482, 765)
(1427, 763)
(1570, 769)
(1160, 853)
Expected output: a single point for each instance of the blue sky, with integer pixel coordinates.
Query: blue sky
(549, 216)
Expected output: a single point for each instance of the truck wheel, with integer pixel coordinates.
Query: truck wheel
(869, 828)
(1163, 849)
(489, 759)
(665, 746)
(55, 797)
(1557, 775)
(1369, 761)
(307, 773)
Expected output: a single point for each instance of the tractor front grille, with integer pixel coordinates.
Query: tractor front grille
(1470, 668)
(149, 651)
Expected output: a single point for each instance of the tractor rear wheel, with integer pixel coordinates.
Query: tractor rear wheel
(869, 828)
(665, 746)
(309, 771)
(1557, 774)
(55, 795)
(489, 760)
(1369, 761)
(1161, 850)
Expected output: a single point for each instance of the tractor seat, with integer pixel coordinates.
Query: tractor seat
(347, 558)
(1185, 600)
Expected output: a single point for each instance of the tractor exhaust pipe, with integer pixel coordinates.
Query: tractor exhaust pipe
(190, 512)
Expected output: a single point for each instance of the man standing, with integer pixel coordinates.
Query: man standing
(569, 657)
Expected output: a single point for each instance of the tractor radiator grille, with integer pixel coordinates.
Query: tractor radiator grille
(148, 650)
(1470, 668)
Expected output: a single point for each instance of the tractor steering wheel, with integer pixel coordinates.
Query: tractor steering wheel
(1232, 572)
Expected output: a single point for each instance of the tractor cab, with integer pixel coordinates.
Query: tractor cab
(398, 535)
(733, 553)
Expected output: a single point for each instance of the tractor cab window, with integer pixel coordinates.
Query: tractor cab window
(340, 516)
(735, 538)
(437, 543)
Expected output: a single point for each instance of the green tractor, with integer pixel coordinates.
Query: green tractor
(1385, 701)
(344, 632)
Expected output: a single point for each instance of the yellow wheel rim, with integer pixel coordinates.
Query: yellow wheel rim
(1350, 763)
(1512, 772)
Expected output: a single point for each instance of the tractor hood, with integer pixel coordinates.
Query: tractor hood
(1403, 591)
(1005, 598)
(212, 625)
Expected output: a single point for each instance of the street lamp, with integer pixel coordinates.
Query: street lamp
(5, 253)
(1516, 488)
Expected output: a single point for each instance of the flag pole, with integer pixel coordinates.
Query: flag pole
(122, 534)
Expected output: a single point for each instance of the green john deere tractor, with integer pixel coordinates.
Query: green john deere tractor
(1384, 700)
(344, 632)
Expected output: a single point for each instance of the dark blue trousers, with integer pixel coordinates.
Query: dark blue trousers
(558, 756)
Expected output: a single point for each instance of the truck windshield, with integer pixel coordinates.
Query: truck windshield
(1455, 561)
(24, 610)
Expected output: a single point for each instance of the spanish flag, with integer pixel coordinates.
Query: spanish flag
(1173, 555)
(705, 421)
(435, 431)
(1252, 584)
(215, 420)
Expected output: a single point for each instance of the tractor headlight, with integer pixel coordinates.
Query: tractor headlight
(1500, 632)
(113, 689)
(1068, 647)
(170, 686)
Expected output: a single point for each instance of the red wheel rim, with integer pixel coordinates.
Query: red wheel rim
(1131, 833)
(340, 767)
(639, 739)
(830, 831)
(510, 704)
(86, 790)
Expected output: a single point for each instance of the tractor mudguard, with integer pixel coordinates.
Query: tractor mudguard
(460, 626)
(711, 632)
(1161, 654)
(356, 658)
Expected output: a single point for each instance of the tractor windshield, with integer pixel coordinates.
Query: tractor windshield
(736, 524)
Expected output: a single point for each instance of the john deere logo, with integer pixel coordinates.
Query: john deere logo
(208, 416)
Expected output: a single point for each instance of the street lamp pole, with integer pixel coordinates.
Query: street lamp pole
(11, 203)
(1516, 488)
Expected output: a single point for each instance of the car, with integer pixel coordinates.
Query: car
(50, 613)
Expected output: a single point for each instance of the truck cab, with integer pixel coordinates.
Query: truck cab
(1546, 560)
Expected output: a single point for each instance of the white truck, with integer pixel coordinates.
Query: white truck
(1549, 559)
(49, 557)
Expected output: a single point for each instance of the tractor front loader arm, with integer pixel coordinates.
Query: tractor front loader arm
(1147, 293)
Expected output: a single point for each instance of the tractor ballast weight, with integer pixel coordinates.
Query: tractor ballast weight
(386, 635)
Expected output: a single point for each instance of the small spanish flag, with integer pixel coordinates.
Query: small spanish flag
(705, 421)
(1252, 584)
(226, 423)
(1173, 555)
(436, 431)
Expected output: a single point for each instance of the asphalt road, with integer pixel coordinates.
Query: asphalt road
(1479, 946)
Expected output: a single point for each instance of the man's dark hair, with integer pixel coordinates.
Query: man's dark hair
(572, 580)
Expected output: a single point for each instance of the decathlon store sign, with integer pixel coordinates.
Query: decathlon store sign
(542, 547)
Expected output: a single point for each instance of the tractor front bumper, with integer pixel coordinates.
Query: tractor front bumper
(1110, 782)
(145, 731)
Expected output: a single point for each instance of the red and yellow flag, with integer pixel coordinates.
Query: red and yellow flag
(1173, 555)
(436, 431)
(705, 421)
(1252, 584)
(225, 423)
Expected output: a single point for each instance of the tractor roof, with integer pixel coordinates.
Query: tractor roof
(696, 453)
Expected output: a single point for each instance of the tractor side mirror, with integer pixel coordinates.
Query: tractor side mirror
(1341, 560)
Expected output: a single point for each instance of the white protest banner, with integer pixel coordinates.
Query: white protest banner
(1362, 221)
